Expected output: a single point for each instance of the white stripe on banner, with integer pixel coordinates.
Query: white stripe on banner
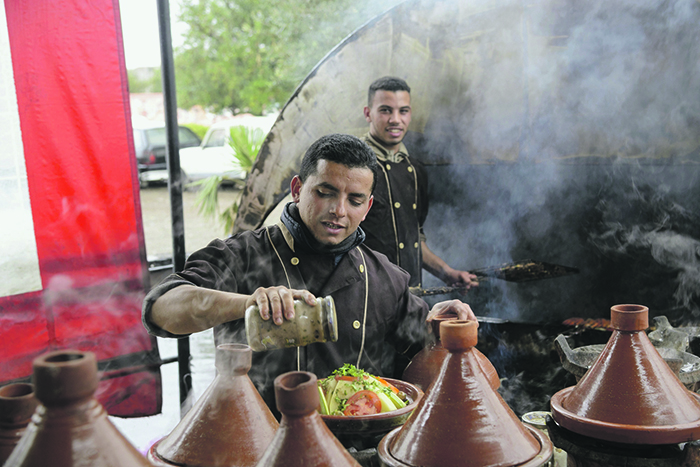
(19, 262)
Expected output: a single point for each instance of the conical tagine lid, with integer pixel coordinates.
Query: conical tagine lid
(229, 425)
(425, 365)
(629, 394)
(69, 427)
(303, 439)
(462, 417)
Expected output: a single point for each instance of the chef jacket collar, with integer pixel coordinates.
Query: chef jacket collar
(383, 154)
(306, 241)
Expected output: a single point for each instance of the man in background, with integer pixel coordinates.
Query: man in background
(394, 225)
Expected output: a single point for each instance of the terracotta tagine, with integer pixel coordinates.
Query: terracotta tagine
(684, 365)
(629, 395)
(423, 368)
(303, 439)
(462, 417)
(17, 404)
(69, 427)
(229, 425)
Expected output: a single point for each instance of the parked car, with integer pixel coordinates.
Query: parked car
(215, 156)
(149, 143)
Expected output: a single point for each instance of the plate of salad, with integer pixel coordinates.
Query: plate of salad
(355, 401)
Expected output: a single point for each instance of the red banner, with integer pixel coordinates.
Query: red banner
(77, 269)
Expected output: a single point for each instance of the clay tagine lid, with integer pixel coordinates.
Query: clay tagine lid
(69, 427)
(17, 404)
(462, 417)
(424, 366)
(229, 425)
(629, 394)
(303, 439)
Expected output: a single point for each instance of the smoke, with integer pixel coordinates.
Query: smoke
(560, 80)
(620, 83)
(651, 223)
(572, 134)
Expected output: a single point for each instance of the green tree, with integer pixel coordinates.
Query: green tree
(145, 80)
(250, 55)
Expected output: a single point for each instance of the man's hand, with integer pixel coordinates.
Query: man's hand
(450, 276)
(278, 301)
(463, 279)
(452, 307)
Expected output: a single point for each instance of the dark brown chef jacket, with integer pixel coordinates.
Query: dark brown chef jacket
(246, 261)
(394, 224)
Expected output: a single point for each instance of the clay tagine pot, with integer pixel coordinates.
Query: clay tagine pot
(424, 366)
(17, 404)
(684, 365)
(229, 425)
(629, 395)
(462, 417)
(69, 427)
(303, 439)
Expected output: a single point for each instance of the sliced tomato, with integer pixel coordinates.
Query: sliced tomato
(363, 403)
(345, 378)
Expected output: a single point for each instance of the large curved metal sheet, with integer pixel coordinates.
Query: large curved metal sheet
(555, 130)
(503, 82)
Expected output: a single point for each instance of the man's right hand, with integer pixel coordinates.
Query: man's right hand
(450, 307)
(278, 302)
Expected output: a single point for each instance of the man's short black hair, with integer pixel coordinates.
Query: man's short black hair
(386, 83)
(347, 150)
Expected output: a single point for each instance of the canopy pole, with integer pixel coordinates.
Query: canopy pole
(174, 182)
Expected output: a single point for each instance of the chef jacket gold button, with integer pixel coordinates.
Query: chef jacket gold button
(415, 245)
(415, 206)
(388, 167)
(401, 246)
(410, 169)
(397, 205)
(362, 268)
(356, 324)
(295, 261)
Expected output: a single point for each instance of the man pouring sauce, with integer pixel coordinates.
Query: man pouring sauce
(317, 249)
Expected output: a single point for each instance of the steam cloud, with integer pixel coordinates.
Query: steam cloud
(575, 143)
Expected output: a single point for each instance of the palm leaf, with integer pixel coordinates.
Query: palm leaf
(245, 143)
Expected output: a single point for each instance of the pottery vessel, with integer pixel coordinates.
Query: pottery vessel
(578, 361)
(630, 394)
(363, 432)
(378, 423)
(69, 427)
(17, 404)
(229, 425)
(303, 439)
(424, 366)
(462, 417)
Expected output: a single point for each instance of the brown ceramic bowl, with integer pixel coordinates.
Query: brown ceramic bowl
(379, 423)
